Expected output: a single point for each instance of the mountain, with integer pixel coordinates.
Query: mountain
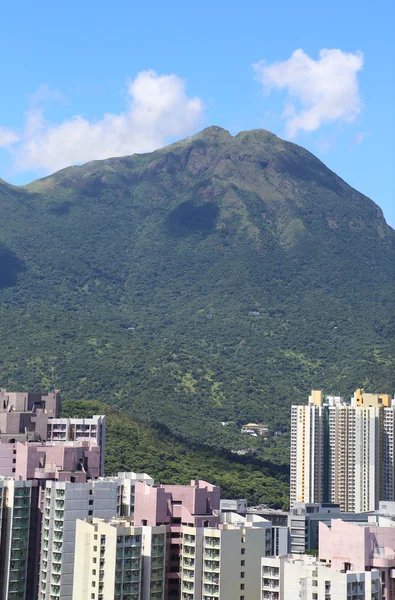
(218, 279)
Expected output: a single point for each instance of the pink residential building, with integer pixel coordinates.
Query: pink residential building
(176, 506)
(196, 505)
(360, 547)
(71, 461)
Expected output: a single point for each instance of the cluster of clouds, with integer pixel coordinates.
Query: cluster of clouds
(158, 109)
(317, 91)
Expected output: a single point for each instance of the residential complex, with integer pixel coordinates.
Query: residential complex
(343, 452)
(69, 533)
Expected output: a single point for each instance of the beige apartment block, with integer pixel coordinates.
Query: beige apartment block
(224, 564)
(116, 561)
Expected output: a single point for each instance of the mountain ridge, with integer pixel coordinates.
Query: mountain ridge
(217, 279)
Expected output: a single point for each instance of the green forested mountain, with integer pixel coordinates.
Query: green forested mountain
(217, 279)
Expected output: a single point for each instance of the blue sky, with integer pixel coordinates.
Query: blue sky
(161, 71)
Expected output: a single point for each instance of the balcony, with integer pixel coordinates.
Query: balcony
(382, 559)
(213, 554)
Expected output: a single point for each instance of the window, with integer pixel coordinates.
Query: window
(243, 550)
(243, 562)
(242, 586)
(242, 574)
(90, 512)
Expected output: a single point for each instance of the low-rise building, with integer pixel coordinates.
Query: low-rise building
(304, 519)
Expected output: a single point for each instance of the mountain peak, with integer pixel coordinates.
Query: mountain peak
(213, 134)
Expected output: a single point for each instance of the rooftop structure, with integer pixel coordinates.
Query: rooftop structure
(196, 504)
(24, 415)
(294, 576)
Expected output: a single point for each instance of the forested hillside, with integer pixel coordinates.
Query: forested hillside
(136, 446)
(215, 280)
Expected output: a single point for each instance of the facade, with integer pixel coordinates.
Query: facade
(64, 503)
(343, 452)
(294, 576)
(129, 480)
(19, 541)
(116, 561)
(280, 540)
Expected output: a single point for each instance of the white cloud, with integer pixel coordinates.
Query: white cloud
(158, 109)
(7, 137)
(318, 91)
(361, 135)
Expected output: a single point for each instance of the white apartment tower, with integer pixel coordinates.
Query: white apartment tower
(64, 503)
(343, 452)
(307, 450)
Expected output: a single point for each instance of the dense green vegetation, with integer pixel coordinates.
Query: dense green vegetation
(216, 280)
(143, 448)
